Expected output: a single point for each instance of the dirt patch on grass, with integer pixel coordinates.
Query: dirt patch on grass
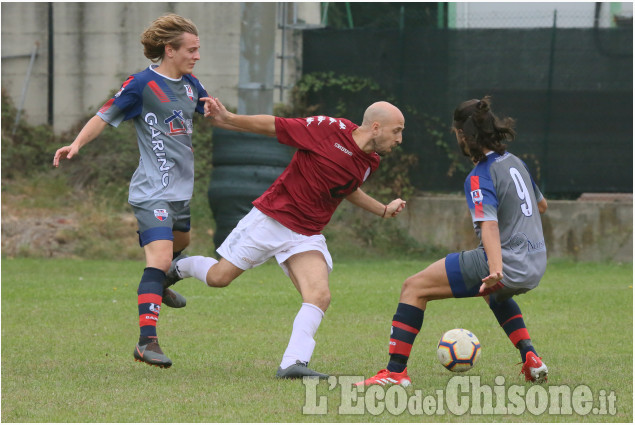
(35, 234)
(66, 233)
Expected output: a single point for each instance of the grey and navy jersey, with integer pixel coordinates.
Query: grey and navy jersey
(501, 189)
(162, 109)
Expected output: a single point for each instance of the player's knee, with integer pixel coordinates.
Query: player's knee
(321, 299)
(325, 301)
(161, 262)
(412, 288)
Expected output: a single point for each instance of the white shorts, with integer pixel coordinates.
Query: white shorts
(258, 237)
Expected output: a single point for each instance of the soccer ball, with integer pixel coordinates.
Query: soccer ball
(458, 350)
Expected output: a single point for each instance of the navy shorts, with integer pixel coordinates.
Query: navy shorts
(158, 219)
(467, 269)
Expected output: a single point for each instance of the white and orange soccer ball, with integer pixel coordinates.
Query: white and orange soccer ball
(458, 350)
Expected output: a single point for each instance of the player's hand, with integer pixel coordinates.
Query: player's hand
(491, 280)
(395, 207)
(207, 107)
(214, 108)
(64, 152)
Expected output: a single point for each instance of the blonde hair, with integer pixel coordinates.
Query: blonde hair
(164, 31)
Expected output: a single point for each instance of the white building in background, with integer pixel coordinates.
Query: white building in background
(95, 45)
(536, 14)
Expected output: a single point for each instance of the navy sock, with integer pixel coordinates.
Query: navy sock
(406, 324)
(149, 298)
(510, 318)
(525, 346)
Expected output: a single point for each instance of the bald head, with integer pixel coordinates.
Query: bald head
(381, 128)
(381, 112)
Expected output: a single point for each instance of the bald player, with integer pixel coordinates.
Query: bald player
(334, 157)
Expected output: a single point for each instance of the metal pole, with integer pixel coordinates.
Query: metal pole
(549, 107)
(349, 14)
(440, 18)
(402, 54)
(51, 69)
(325, 14)
(25, 87)
(257, 58)
(283, 22)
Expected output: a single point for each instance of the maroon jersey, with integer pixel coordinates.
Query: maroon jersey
(327, 167)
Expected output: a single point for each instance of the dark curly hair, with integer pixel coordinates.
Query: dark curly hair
(480, 128)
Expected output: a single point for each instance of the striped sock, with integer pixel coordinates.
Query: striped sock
(149, 298)
(511, 320)
(406, 324)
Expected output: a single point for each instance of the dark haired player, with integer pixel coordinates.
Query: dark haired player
(511, 259)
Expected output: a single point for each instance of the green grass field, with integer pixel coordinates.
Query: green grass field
(69, 329)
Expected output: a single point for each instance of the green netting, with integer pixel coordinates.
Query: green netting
(571, 91)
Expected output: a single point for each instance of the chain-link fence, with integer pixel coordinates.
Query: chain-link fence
(470, 15)
(569, 89)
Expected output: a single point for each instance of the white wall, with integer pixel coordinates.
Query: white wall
(535, 14)
(96, 46)
(591, 230)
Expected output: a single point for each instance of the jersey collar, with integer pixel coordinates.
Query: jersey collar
(152, 68)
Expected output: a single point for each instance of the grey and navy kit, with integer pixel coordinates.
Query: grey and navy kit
(162, 110)
(501, 189)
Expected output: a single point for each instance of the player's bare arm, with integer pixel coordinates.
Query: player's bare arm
(362, 200)
(91, 130)
(542, 206)
(221, 117)
(490, 235)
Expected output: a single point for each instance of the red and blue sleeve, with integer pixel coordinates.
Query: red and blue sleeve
(481, 197)
(124, 105)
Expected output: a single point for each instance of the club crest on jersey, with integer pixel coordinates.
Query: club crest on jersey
(178, 123)
(477, 196)
(161, 214)
(189, 92)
